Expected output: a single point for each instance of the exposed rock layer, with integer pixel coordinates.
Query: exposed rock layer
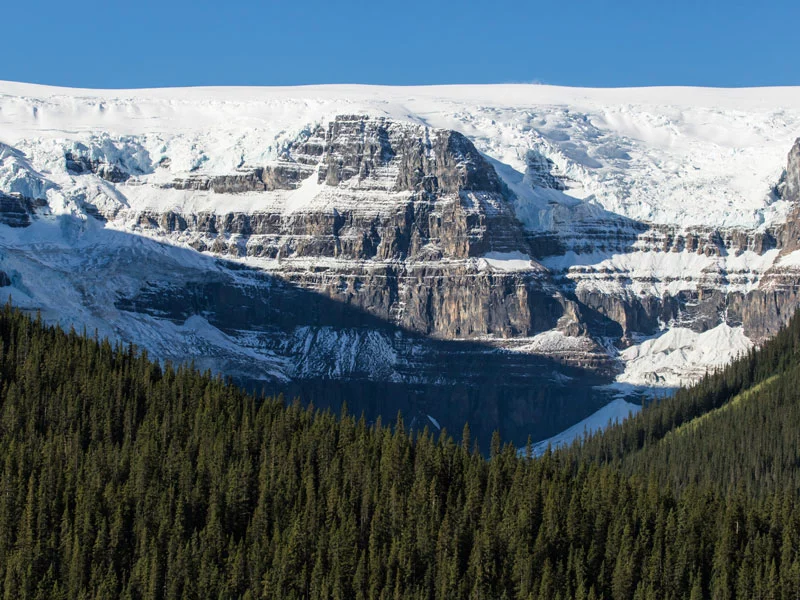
(409, 262)
(368, 245)
(17, 210)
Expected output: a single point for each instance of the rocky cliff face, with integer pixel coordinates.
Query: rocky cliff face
(643, 276)
(389, 264)
(16, 210)
(790, 182)
(415, 227)
(411, 254)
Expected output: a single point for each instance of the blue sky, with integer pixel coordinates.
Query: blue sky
(144, 43)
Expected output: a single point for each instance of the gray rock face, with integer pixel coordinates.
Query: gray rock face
(415, 261)
(409, 263)
(763, 312)
(791, 182)
(434, 161)
(248, 181)
(16, 210)
(709, 241)
(81, 165)
(788, 233)
(716, 297)
(444, 302)
(540, 172)
(282, 176)
(370, 250)
(424, 227)
(333, 343)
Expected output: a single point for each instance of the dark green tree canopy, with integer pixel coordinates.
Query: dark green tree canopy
(123, 478)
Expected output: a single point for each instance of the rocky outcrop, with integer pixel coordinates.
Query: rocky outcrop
(382, 154)
(415, 261)
(406, 213)
(17, 210)
(421, 227)
(658, 274)
(764, 312)
(81, 165)
(446, 201)
(788, 233)
(282, 176)
(247, 181)
(790, 185)
(541, 172)
(443, 301)
(708, 241)
(617, 235)
(331, 342)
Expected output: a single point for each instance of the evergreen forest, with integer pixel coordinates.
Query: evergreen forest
(124, 478)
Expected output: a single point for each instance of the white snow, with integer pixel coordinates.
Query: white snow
(789, 260)
(303, 196)
(550, 343)
(665, 155)
(679, 356)
(435, 423)
(508, 261)
(656, 272)
(613, 412)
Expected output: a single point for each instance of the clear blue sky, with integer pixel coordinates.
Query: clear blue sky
(140, 43)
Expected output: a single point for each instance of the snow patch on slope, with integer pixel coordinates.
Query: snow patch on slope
(304, 195)
(613, 412)
(551, 342)
(680, 356)
(789, 260)
(507, 261)
(19, 177)
(334, 353)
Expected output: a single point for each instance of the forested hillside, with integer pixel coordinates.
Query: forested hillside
(738, 429)
(122, 478)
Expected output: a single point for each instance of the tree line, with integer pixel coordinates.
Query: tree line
(124, 478)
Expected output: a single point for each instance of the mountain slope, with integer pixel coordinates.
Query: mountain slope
(735, 431)
(572, 238)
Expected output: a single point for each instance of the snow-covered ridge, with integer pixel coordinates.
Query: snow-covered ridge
(664, 155)
(649, 217)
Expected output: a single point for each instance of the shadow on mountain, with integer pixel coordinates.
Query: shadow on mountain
(432, 382)
(558, 225)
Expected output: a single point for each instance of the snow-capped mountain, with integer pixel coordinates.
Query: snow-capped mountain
(511, 255)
